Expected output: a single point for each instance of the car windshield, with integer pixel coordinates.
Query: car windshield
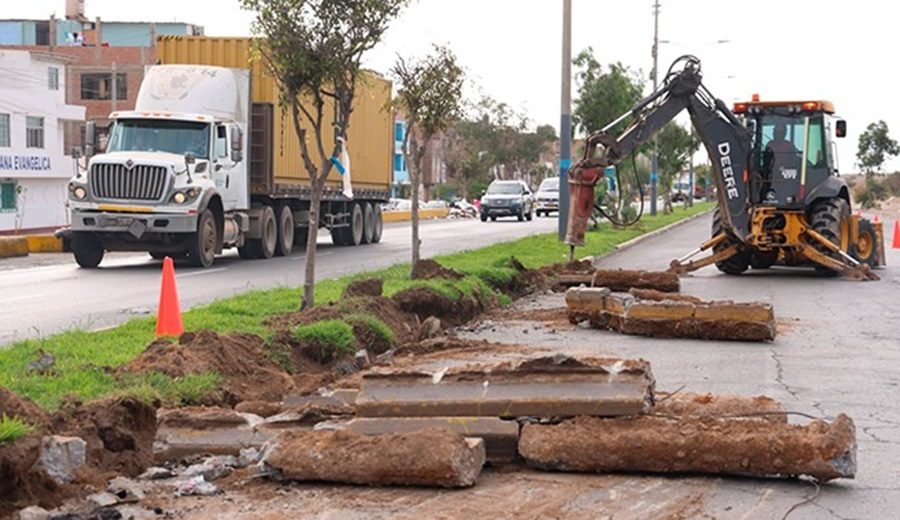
(504, 188)
(153, 135)
(551, 184)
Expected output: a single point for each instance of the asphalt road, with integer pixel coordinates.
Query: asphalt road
(45, 294)
(837, 351)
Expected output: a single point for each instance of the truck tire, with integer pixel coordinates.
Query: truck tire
(368, 223)
(831, 218)
(284, 245)
(301, 237)
(356, 230)
(865, 250)
(379, 223)
(738, 263)
(87, 249)
(201, 246)
(263, 247)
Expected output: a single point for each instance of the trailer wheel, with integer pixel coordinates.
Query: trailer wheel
(831, 219)
(87, 249)
(738, 263)
(263, 247)
(285, 243)
(368, 223)
(379, 223)
(357, 226)
(201, 246)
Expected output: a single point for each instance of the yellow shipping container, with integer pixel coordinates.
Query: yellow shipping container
(370, 138)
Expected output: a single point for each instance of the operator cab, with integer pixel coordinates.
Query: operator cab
(793, 149)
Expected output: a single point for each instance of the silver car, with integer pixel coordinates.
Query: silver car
(548, 196)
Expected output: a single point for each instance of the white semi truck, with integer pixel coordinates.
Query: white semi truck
(195, 169)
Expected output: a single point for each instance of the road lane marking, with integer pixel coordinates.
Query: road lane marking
(20, 298)
(205, 271)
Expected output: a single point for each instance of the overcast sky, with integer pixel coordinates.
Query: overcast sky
(781, 49)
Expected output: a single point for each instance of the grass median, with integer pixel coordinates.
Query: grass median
(84, 361)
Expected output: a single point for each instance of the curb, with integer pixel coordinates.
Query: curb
(44, 244)
(13, 246)
(406, 215)
(637, 240)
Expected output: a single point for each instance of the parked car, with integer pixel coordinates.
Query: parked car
(680, 191)
(699, 192)
(507, 199)
(547, 196)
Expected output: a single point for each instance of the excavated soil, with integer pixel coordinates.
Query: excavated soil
(14, 405)
(241, 359)
(431, 270)
(20, 484)
(424, 302)
(577, 267)
(368, 287)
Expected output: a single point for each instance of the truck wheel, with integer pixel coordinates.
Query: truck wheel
(88, 249)
(357, 226)
(263, 247)
(301, 237)
(368, 223)
(831, 219)
(285, 243)
(865, 250)
(379, 223)
(738, 263)
(201, 246)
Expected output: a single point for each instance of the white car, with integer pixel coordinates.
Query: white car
(547, 196)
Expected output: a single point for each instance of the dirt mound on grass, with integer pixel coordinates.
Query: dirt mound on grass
(241, 359)
(431, 270)
(577, 267)
(14, 405)
(425, 302)
(368, 287)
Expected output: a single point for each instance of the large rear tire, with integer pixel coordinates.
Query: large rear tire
(201, 246)
(831, 219)
(284, 246)
(379, 223)
(87, 249)
(263, 247)
(368, 223)
(738, 263)
(357, 225)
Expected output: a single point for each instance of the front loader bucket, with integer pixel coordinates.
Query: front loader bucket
(581, 203)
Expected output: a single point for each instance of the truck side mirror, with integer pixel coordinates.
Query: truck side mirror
(237, 144)
(90, 138)
(76, 152)
(840, 128)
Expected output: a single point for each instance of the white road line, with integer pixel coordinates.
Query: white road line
(20, 298)
(205, 271)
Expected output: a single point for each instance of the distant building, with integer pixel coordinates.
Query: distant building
(401, 175)
(34, 162)
(434, 166)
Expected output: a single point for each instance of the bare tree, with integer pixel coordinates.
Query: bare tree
(313, 49)
(431, 95)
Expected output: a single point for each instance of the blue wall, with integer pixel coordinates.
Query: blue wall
(17, 33)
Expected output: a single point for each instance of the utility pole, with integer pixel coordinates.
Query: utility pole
(565, 120)
(655, 52)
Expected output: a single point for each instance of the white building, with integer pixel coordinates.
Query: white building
(36, 141)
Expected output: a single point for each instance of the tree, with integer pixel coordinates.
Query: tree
(875, 147)
(675, 147)
(313, 50)
(603, 95)
(430, 92)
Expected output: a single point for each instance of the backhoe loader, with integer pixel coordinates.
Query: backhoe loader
(780, 198)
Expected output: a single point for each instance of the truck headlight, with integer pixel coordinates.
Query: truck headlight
(79, 193)
(179, 198)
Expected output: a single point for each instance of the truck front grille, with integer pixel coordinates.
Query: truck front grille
(115, 181)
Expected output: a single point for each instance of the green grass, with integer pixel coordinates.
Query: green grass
(83, 358)
(375, 326)
(12, 428)
(331, 338)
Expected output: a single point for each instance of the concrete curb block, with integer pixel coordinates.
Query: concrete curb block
(637, 240)
(13, 246)
(424, 214)
(44, 244)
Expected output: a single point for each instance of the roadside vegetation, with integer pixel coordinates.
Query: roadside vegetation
(12, 428)
(84, 362)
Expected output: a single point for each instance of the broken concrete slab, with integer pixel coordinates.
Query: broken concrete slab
(654, 295)
(177, 443)
(260, 408)
(308, 415)
(557, 386)
(435, 457)
(210, 471)
(204, 418)
(622, 280)
(501, 437)
(819, 449)
(336, 397)
(709, 406)
(62, 457)
(196, 486)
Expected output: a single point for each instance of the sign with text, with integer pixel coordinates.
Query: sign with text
(33, 163)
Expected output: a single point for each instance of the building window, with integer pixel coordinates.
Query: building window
(4, 130)
(398, 132)
(34, 132)
(73, 135)
(53, 78)
(98, 86)
(398, 162)
(8, 192)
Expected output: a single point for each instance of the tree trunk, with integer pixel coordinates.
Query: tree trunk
(414, 177)
(309, 278)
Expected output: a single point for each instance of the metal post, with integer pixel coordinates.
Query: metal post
(655, 52)
(565, 120)
(690, 194)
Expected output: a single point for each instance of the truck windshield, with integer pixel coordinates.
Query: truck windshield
(153, 135)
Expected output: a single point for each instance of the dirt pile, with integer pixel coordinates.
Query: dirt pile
(14, 405)
(431, 270)
(241, 359)
(425, 302)
(368, 287)
(21, 483)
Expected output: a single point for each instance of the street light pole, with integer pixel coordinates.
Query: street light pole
(565, 120)
(655, 162)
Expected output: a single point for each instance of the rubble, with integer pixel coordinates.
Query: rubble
(500, 437)
(433, 457)
(34, 513)
(125, 489)
(756, 448)
(260, 408)
(674, 318)
(556, 386)
(308, 414)
(62, 457)
(707, 406)
(196, 486)
(199, 430)
(622, 280)
(210, 470)
(156, 473)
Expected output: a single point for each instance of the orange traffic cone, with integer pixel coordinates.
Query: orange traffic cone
(896, 244)
(168, 319)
